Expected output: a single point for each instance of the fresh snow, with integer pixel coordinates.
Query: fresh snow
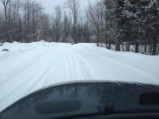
(29, 67)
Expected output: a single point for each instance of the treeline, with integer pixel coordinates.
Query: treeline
(22, 20)
(117, 22)
(26, 21)
(135, 22)
(129, 22)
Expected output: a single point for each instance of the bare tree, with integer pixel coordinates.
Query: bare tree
(5, 4)
(32, 19)
(74, 6)
(67, 26)
(58, 17)
(96, 17)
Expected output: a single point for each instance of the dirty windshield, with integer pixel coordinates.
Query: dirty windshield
(48, 42)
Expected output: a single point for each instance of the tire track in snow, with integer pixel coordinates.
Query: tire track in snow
(73, 67)
(146, 75)
(23, 86)
(69, 66)
(50, 72)
(34, 65)
(40, 78)
(66, 69)
(85, 69)
(22, 67)
(59, 71)
(82, 71)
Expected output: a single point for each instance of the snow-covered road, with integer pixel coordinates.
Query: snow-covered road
(29, 67)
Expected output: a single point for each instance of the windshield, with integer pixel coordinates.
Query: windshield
(46, 42)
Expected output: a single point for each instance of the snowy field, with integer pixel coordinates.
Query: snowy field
(29, 67)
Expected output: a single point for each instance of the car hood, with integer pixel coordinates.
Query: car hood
(83, 98)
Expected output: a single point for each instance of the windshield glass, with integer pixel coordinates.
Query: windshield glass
(47, 42)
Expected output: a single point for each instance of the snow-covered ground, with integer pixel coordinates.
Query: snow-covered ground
(29, 67)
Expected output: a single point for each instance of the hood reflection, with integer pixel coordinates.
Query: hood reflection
(78, 99)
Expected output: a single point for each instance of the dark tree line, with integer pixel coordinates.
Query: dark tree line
(21, 21)
(26, 21)
(117, 22)
(129, 22)
(134, 22)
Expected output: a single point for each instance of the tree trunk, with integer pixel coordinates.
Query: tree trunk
(97, 40)
(127, 47)
(154, 46)
(117, 46)
(109, 46)
(106, 44)
(145, 49)
(137, 47)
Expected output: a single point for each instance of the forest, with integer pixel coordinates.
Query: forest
(105, 22)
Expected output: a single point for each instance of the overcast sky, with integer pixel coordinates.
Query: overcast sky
(51, 4)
